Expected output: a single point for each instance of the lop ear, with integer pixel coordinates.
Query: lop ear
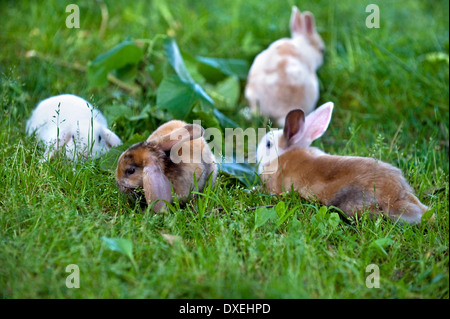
(317, 122)
(185, 133)
(156, 186)
(111, 139)
(294, 127)
(296, 22)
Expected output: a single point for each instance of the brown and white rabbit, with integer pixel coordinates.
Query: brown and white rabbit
(169, 158)
(350, 183)
(283, 77)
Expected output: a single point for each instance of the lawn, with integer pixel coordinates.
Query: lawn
(390, 86)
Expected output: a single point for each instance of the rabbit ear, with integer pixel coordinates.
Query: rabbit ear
(111, 139)
(294, 126)
(317, 122)
(310, 26)
(185, 133)
(156, 186)
(296, 22)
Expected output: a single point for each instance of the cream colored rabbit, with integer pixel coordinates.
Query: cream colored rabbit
(353, 184)
(283, 77)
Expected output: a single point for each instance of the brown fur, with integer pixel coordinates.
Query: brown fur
(180, 174)
(288, 49)
(352, 184)
(289, 94)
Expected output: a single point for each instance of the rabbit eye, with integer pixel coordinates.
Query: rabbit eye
(130, 171)
(269, 144)
(99, 138)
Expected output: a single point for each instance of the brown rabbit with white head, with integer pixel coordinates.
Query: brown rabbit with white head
(350, 183)
(283, 77)
(169, 158)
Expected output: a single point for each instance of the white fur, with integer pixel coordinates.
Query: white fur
(316, 124)
(76, 124)
(265, 153)
(299, 74)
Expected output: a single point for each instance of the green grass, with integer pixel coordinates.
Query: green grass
(392, 102)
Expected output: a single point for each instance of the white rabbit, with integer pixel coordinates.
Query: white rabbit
(353, 184)
(283, 77)
(70, 121)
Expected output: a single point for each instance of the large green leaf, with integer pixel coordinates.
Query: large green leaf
(244, 172)
(178, 92)
(121, 57)
(228, 67)
(116, 111)
(205, 115)
(176, 60)
(176, 96)
(226, 93)
(224, 120)
(126, 73)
